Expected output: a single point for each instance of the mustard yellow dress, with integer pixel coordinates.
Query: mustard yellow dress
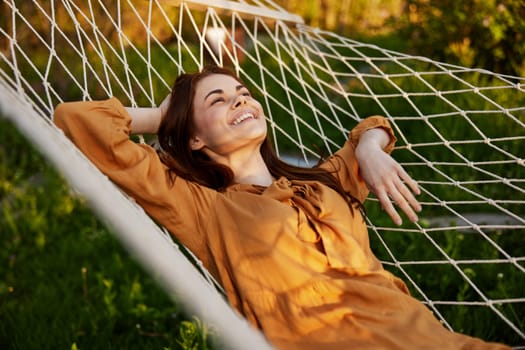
(291, 257)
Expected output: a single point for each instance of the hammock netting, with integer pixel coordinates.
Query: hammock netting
(461, 135)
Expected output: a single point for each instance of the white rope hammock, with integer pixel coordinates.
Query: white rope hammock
(461, 134)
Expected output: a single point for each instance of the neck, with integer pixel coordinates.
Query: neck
(248, 167)
(252, 171)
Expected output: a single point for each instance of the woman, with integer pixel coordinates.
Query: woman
(289, 245)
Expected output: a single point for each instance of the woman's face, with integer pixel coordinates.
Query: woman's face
(227, 119)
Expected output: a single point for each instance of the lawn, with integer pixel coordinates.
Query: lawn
(65, 281)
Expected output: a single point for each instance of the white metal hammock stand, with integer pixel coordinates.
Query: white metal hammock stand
(315, 86)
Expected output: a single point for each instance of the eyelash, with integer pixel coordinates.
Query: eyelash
(220, 99)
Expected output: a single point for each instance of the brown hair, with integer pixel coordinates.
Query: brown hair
(177, 127)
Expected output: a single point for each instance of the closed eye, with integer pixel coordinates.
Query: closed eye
(217, 100)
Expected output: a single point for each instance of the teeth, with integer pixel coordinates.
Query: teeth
(242, 118)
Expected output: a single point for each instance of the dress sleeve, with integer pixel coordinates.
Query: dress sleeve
(343, 163)
(101, 129)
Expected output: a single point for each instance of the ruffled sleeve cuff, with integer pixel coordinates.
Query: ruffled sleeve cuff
(372, 123)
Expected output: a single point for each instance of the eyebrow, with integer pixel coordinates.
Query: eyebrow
(220, 91)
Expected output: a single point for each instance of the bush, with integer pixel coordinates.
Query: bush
(480, 33)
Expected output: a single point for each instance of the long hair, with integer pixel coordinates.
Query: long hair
(177, 128)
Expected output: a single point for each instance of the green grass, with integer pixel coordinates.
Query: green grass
(65, 282)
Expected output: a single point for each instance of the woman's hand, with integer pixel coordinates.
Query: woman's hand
(163, 107)
(146, 120)
(385, 177)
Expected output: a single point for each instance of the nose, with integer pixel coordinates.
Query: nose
(239, 101)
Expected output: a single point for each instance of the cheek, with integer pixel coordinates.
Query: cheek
(261, 110)
(201, 118)
(207, 124)
(259, 106)
(197, 124)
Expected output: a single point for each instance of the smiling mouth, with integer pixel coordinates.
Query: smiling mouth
(243, 117)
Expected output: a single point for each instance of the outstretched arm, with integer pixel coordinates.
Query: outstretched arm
(385, 177)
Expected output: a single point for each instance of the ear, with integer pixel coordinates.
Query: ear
(196, 143)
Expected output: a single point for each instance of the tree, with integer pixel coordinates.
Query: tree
(347, 17)
(479, 33)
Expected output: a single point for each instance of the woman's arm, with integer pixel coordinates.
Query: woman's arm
(385, 177)
(100, 129)
(146, 120)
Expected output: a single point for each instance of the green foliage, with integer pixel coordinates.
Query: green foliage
(481, 33)
(65, 282)
(347, 17)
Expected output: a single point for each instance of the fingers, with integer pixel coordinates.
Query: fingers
(401, 191)
(410, 181)
(406, 202)
(388, 207)
(391, 184)
(407, 194)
